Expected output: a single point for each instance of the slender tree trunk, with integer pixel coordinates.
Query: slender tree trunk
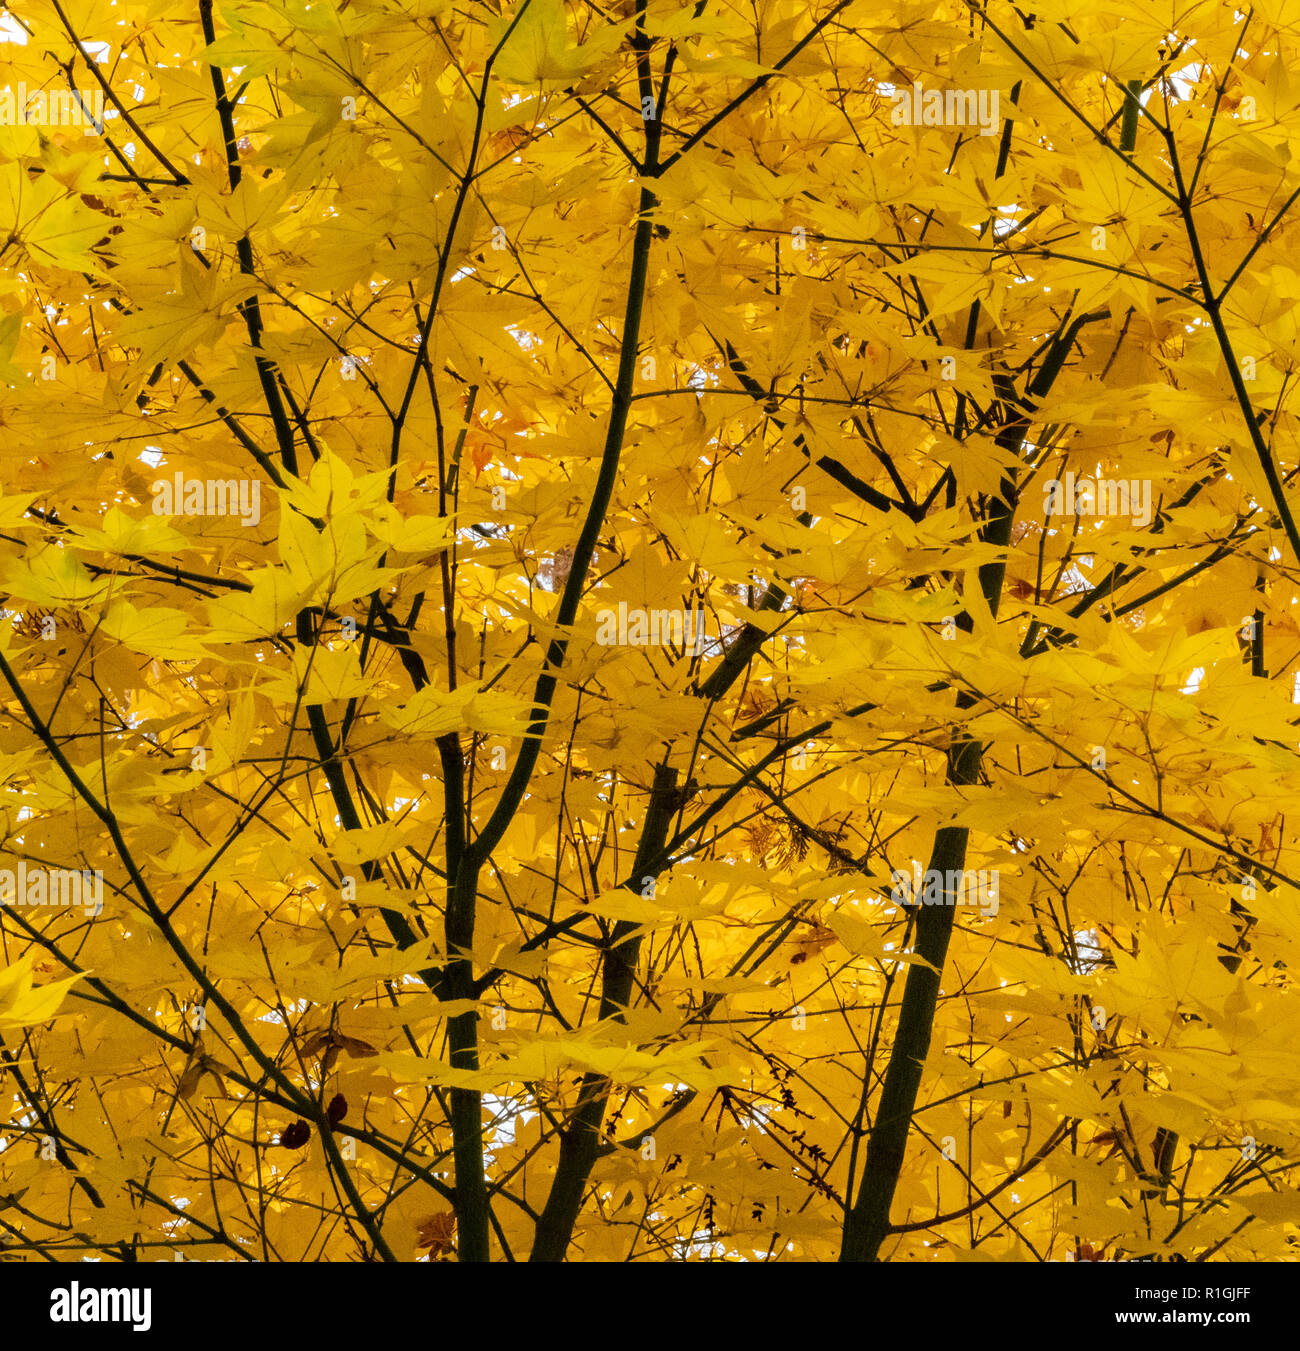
(580, 1140)
(472, 1217)
(867, 1223)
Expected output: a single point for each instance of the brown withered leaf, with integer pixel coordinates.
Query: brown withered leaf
(332, 1043)
(295, 1134)
(436, 1233)
(316, 1041)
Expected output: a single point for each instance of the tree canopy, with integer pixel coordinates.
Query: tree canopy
(638, 632)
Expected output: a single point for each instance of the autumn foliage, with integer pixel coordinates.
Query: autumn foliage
(569, 612)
